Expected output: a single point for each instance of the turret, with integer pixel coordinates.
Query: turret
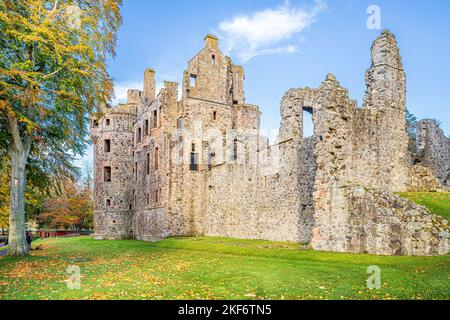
(113, 176)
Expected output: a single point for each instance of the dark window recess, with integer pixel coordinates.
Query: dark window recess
(107, 145)
(146, 127)
(156, 158)
(108, 122)
(194, 162)
(148, 198)
(235, 149)
(135, 170)
(213, 59)
(107, 174)
(155, 119)
(215, 115)
(139, 136)
(148, 163)
(235, 102)
(156, 197)
(108, 202)
(95, 124)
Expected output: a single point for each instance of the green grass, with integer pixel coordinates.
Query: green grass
(215, 268)
(437, 202)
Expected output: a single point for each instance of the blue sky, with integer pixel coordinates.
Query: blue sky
(289, 44)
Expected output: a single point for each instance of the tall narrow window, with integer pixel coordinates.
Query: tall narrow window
(108, 122)
(235, 149)
(155, 119)
(135, 170)
(192, 80)
(213, 59)
(107, 174)
(139, 135)
(156, 197)
(308, 125)
(180, 123)
(148, 163)
(215, 115)
(107, 145)
(194, 162)
(146, 127)
(148, 198)
(156, 158)
(108, 202)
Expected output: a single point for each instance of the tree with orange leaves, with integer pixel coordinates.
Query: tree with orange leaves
(70, 210)
(52, 77)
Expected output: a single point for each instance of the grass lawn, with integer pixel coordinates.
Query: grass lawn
(215, 268)
(437, 202)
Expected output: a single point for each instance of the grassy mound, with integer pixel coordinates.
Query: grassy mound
(437, 202)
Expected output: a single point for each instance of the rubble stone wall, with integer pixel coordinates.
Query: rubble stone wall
(433, 149)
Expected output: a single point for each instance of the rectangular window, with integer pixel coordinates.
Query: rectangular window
(139, 135)
(107, 146)
(235, 149)
(107, 174)
(148, 198)
(180, 123)
(215, 115)
(194, 162)
(155, 119)
(156, 197)
(213, 59)
(146, 128)
(148, 163)
(192, 80)
(108, 122)
(135, 171)
(108, 202)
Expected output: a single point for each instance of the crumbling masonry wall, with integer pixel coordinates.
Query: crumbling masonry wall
(433, 149)
(189, 168)
(362, 159)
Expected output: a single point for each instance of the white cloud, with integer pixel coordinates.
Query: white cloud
(270, 31)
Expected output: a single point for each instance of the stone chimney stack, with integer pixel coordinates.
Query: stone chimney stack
(211, 41)
(149, 85)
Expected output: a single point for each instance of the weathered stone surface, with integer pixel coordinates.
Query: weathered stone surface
(333, 190)
(433, 149)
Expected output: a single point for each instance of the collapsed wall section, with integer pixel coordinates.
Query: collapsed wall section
(433, 149)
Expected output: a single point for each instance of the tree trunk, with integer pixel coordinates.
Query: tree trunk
(17, 239)
(18, 153)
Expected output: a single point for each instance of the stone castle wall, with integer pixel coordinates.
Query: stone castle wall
(199, 166)
(433, 149)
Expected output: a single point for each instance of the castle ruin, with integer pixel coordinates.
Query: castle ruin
(199, 166)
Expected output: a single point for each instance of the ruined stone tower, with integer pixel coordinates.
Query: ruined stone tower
(199, 165)
(113, 147)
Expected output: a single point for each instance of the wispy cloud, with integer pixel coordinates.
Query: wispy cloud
(270, 31)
